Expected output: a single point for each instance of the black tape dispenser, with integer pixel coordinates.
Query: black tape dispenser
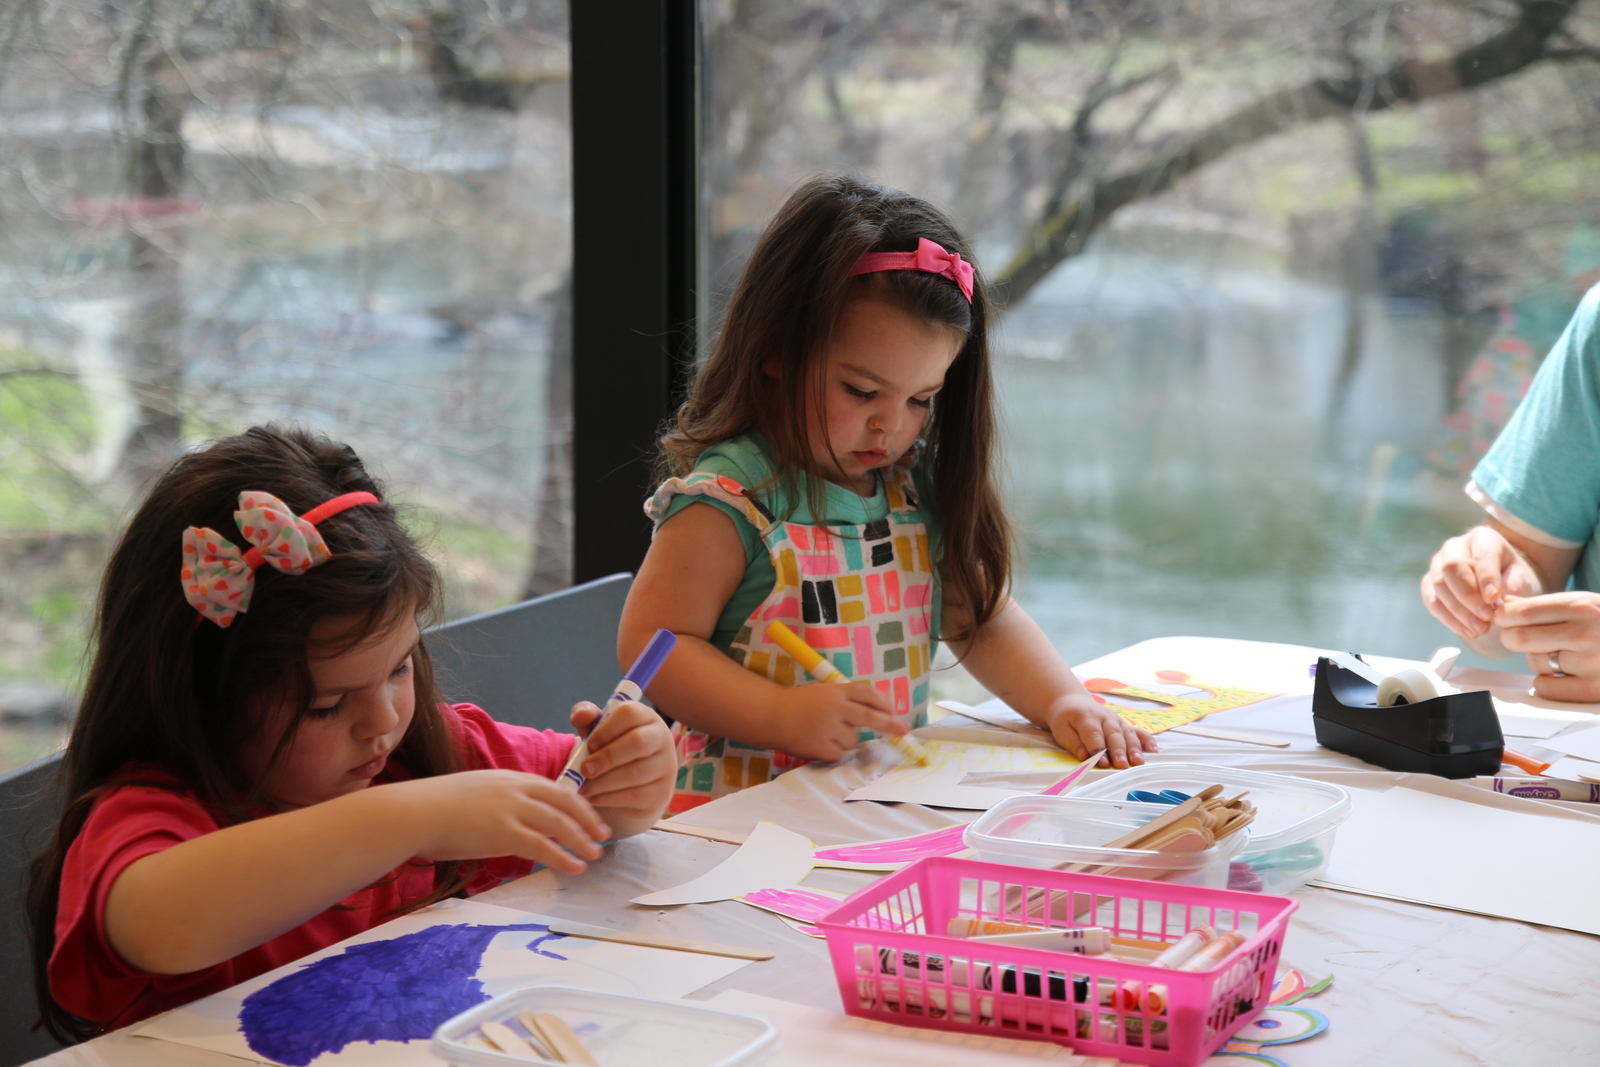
(1456, 735)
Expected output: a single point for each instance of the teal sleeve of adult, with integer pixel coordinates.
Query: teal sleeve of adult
(1544, 468)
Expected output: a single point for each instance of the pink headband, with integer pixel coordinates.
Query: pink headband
(929, 256)
(218, 579)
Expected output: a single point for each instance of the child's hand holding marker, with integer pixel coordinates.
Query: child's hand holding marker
(624, 760)
(850, 710)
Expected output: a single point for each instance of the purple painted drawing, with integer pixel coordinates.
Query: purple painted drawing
(394, 990)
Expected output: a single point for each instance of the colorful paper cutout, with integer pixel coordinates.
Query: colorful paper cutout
(1179, 709)
(1282, 1026)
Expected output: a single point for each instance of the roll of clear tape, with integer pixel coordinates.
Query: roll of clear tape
(1413, 686)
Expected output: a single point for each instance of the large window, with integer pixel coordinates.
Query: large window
(353, 215)
(1276, 273)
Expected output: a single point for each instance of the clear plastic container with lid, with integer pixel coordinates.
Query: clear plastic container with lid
(1291, 838)
(1038, 831)
(619, 1030)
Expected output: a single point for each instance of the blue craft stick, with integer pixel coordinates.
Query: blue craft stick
(632, 687)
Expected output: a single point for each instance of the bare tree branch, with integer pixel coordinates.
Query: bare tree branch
(1062, 233)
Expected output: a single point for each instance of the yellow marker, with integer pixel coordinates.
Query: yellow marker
(823, 671)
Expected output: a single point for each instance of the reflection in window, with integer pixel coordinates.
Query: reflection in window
(354, 215)
(1276, 273)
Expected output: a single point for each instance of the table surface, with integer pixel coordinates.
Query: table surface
(1412, 984)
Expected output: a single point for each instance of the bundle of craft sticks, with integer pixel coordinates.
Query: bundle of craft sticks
(548, 1038)
(1192, 826)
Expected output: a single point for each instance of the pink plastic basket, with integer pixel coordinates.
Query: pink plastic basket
(895, 962)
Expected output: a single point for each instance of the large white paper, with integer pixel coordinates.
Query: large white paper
(1572, 769)
(938, 782)
(376, 998)
(813, 1036)
(771, 857)
(1477, 857)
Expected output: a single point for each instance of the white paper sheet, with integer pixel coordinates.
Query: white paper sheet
(343, 1006)
(1584, 743)
(938, 783)
(813, 1036)
(1479, 857)
(770, 857)
(1572, 769)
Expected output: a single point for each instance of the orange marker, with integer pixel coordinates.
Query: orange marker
(819, 668)
(1526, 763)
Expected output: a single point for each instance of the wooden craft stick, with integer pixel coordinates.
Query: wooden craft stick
(631, 937)
(506, 1040)
(1160, 821)
(559, 1036)
(706, 832)
(526, 1018)
(1227, 735)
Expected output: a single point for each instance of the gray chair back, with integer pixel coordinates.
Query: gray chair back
(529, 663)
(28, 810)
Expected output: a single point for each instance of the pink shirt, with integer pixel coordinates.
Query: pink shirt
(129, 822)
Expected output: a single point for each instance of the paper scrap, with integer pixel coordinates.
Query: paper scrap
(817, 1035)
(1413, 845)
(376, 998)
(770, 856)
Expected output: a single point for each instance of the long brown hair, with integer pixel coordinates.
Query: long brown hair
(167, 694)
(784, 310)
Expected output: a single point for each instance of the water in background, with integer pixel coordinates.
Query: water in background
(1180, 464)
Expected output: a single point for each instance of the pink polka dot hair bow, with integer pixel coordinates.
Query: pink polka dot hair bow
(218, 579)
(930, 256)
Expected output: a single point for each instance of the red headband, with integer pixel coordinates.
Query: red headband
(929, 256)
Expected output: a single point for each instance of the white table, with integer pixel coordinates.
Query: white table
(1413, 985)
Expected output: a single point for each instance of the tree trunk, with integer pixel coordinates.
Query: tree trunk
(552, 528)
(157, 168)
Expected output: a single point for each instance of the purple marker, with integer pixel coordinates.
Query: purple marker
(1541, 788)
(632, 687)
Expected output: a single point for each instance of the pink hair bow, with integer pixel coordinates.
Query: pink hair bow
(930, 256)
(218, 579)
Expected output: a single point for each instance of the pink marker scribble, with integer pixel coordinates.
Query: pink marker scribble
(902, 850)
(805, 905)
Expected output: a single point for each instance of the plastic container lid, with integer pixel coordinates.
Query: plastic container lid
(620, 1030)
(1288, 810)
(1051, 830)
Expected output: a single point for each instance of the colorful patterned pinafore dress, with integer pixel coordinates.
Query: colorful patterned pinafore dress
(862, 595)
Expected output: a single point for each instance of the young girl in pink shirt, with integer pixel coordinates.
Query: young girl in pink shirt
(262, 766)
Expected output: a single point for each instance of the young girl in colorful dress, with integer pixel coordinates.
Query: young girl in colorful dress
(832, 469)
(261, 765)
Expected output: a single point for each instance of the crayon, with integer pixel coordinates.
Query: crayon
(1541, 788)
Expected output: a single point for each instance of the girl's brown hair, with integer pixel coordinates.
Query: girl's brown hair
(784, 310)
(167, 695)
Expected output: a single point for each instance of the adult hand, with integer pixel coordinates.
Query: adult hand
(823, 720)
(1471, 575)
(1082, 725)
(1557, 629)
